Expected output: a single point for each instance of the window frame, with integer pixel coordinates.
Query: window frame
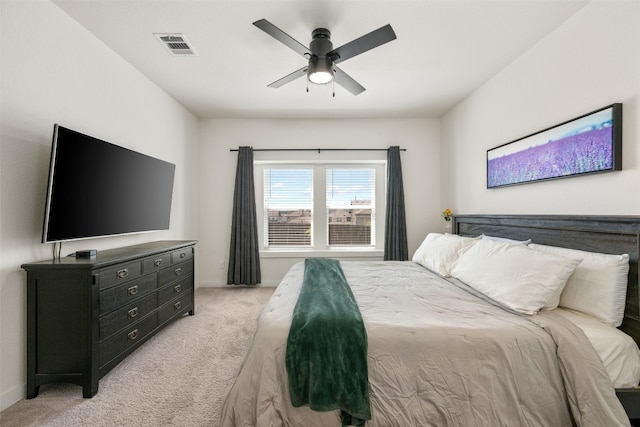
(319, 241)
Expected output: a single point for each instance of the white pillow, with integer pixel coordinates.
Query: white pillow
(438, 251)
(505, 240)
(598, 287)
(514, 275)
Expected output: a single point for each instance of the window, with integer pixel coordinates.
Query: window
(288, 202)
(351, 196)
(320, 206)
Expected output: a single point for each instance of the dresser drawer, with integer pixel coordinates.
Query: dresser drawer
(122, 273)
(116, 297)
(175, 307)
(181, 255)
(173, 290)
(175, 272)
(114, 346)
(127, 315)
(156, 263)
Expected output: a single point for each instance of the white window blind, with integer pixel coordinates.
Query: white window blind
(350, 203)
(288, 206)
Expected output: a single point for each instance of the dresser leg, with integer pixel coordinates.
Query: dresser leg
(89, 389)
(32, 392)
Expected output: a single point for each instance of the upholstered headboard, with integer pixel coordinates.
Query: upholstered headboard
(605, 234)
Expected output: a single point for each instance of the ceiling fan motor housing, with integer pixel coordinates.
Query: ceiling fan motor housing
(320, 67)
(321, 42)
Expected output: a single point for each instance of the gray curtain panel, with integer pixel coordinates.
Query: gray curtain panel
(395, 227)
(244, 256)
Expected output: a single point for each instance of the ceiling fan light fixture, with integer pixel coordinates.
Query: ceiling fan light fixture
(320, 71)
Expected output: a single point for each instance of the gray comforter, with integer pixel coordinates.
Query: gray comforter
(438, 356)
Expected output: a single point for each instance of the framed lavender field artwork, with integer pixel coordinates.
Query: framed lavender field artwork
(587, 144)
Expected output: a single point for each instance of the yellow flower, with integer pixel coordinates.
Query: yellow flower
(446, 214)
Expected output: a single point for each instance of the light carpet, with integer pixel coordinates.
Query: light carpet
(181, 376)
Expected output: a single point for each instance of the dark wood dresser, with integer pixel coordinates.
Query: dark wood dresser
(85, 315)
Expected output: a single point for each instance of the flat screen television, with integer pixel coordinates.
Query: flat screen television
(99, 189)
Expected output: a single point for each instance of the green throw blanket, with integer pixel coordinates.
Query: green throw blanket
(326, 355)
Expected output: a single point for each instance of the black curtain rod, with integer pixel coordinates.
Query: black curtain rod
(319, 149)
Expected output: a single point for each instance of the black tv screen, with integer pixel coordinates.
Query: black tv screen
(100, 189)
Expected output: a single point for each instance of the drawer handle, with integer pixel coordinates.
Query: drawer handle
(132, 290)
(133, 312)
(176, 306)
(183, 254)
(158, 262)
(132, 335)
(123, 273)
(178, 271)
(177, 288)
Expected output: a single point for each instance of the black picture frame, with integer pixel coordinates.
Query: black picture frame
(590, 143)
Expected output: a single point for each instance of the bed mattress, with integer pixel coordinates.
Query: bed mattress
(617, 350)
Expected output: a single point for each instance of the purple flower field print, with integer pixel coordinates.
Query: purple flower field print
(587, 152)
(575, 148)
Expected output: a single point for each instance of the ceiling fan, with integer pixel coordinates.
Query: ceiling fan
(323, 57)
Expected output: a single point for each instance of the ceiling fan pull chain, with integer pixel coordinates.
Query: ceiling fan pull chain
(334, 87)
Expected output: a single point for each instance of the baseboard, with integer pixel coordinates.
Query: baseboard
(218, 284)
(13, 396)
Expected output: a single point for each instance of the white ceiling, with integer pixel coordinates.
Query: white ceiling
(445, 49)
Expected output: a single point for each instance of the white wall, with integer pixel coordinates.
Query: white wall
(420, 166)
(591, 61)
(53, 70)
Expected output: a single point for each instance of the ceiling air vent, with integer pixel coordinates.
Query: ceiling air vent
(177, 44)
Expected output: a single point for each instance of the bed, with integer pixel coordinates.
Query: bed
(441, 353)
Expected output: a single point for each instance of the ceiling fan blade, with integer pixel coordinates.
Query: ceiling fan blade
(289, 78)
(362, 44)
(345, 80)
(282, 37)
